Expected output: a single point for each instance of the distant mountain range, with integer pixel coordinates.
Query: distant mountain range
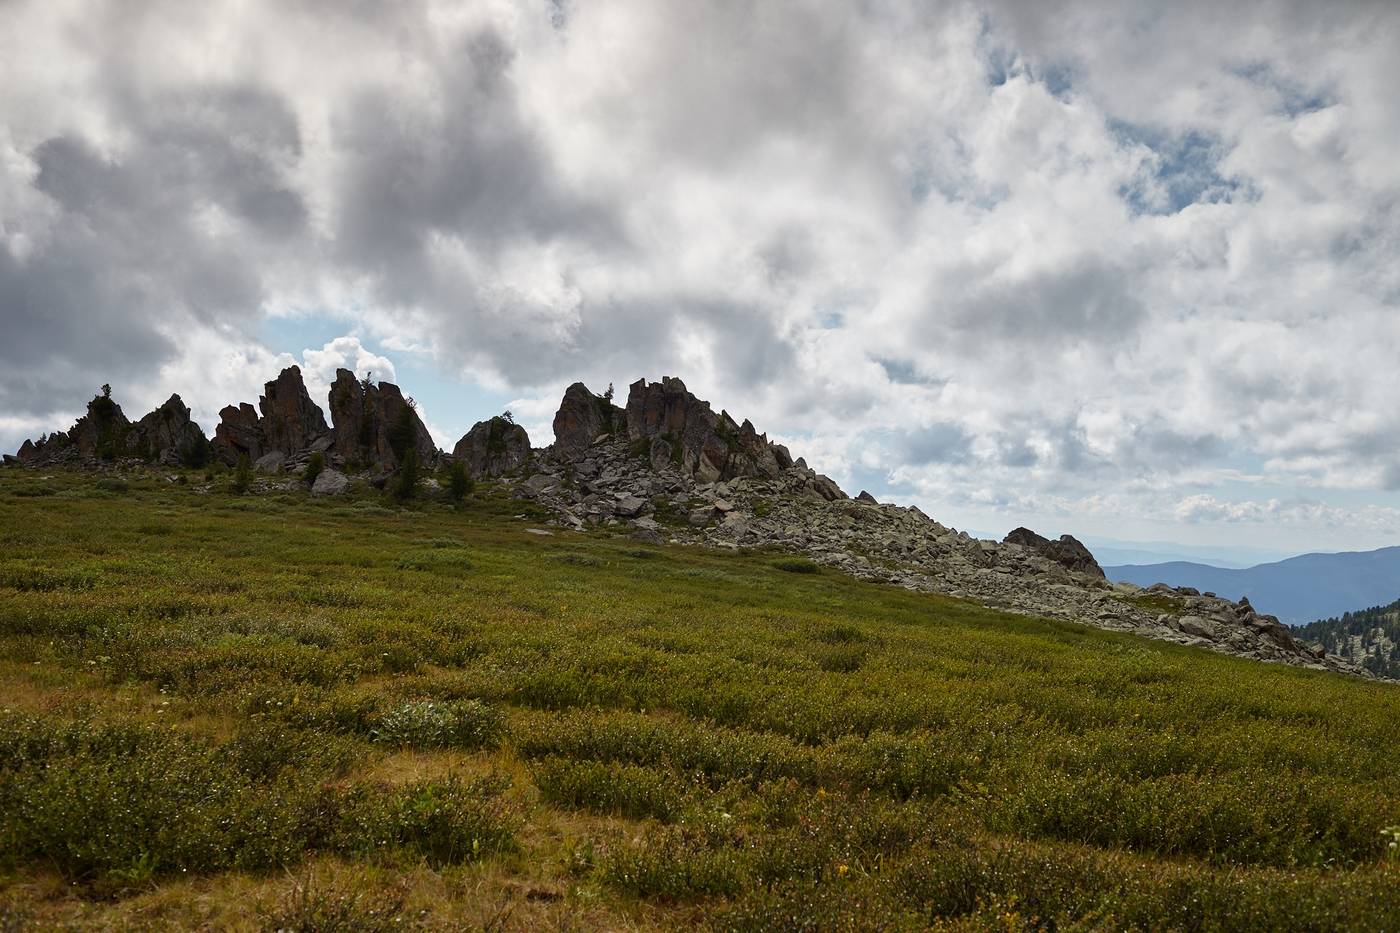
(1297, 590)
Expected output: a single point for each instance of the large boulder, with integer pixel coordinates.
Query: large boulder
(169, 435)
(584, 417)
(330, 483)
(1067, 552)
(703, 444)
(493, 447)
(238, 434)
(373, 425)
(290, 420)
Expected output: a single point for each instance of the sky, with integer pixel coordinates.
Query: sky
(1126, 270)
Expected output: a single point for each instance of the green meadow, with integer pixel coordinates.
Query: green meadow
(274, 712)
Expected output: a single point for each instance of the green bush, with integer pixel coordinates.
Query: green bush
(459, 484)
(32, 491)
(796, 565)
(314, 908)
(405, 484)
(436, 724)
(314, 467)
(624, 790)
(444, 822)
(112, 484)
(242, 475)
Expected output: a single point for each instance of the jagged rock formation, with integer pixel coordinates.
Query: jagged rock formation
(290, 424)
(492, 448)
(583, 418)
(1067, 551)
(238, 434)
(670, 426)
(375, 424)
(166, 435)
(169, 436)
(683, 429)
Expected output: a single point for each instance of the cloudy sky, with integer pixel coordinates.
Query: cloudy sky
(1120, 269)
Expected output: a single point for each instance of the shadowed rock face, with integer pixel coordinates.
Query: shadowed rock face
(375, 425)
(290, 420)
(238, 434)
(493, 447)
(1067, 552)
(103, 431)
(584, 417)
(168, 435)
(703, 444)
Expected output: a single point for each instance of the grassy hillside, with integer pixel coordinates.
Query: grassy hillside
(270, 711)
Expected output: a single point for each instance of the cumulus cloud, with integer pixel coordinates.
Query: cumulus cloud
(988, 253)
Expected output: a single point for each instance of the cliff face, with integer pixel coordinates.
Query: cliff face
(290, 420)
(668, 425)
(375, 424)
(705, 445)
(492, 448)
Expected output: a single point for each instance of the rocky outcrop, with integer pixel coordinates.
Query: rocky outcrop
(373, 425)
(1067, 551)
(238, 434)
(291, 422)
(166, 435)
(102, 433)
(492, 448)
(169, 436)
(684, 430)
(584, 418)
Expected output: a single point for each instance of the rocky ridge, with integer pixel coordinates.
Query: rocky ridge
(667, 467)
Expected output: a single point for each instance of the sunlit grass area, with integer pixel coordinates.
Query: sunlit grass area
(272, 711)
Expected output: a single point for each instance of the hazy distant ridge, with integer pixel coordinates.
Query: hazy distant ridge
(1297, 590)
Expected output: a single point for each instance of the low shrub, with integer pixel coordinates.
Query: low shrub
(796, 565)
(314, 468)
(465, 724)
(619, 789)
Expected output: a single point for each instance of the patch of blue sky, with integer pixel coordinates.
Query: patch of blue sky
(1294, 97)
(1186, 170)
(450, 404)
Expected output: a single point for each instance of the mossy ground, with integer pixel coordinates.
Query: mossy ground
(252, 712)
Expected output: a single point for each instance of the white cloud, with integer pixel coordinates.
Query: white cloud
(1053, 256)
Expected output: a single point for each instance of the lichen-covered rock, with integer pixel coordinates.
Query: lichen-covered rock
(374, 425)
(270, 462)
(584, 417)
(291, 421)
(330, 483)
(493, 447)
(1068, 551)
